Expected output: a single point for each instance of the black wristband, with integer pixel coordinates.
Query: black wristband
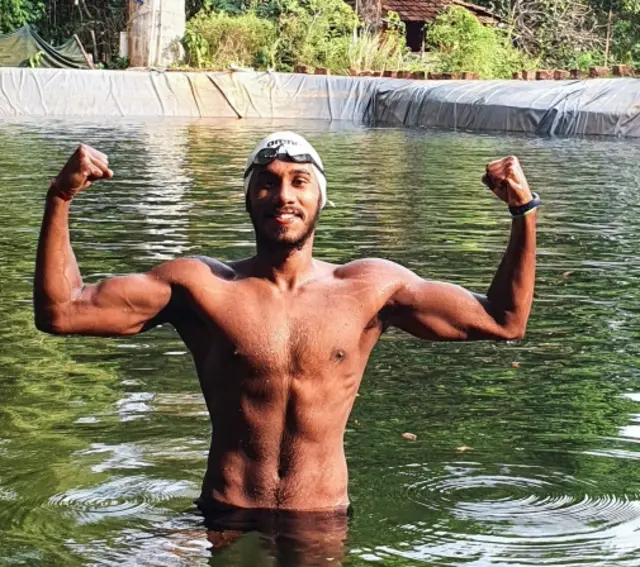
(522, 210)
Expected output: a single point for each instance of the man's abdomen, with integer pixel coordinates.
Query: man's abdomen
(308, 482)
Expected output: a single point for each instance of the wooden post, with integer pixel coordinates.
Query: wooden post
(84, 53)
(95, 45)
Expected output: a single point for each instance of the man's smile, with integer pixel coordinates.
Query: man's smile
(284, 216)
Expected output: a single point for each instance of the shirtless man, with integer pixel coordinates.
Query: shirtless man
(280, 340)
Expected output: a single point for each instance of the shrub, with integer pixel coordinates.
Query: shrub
(312, 32)
(218, 39)
(462, 43)
(585, 60)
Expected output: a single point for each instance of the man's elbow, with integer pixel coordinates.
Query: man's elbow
(513, 332)
(49, 322)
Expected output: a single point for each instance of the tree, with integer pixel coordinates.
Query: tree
(15, 14)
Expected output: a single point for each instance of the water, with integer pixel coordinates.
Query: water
(526, 454)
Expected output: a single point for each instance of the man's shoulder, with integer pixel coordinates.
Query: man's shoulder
(377, 269)
(189, 268)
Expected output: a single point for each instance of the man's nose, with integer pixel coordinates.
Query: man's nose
(285, 193)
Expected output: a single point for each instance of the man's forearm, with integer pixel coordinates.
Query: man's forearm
(57, 277)
(511, 292)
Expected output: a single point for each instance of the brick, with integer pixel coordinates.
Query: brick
(302, 69)
(516, 76)
(449, 76)
(595, 72)
(544, 75)
(418, 75)
(560, 75)
(577, 74)
(622, 71)
(528, 75)
(403, 74)
(637, 71)
(468, 76)
(321, 71)
(434, 76)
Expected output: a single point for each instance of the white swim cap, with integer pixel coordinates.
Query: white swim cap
(292, 144)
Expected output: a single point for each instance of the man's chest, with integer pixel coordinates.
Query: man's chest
(264, 332)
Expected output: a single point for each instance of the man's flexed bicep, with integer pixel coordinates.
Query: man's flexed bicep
(118, 306)
(442, 311)
(62, 303)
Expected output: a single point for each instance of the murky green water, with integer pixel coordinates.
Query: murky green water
(103, 442)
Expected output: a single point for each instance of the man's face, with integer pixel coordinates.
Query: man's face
(284, 203)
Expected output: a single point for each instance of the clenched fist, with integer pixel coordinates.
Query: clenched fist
(505, 178)
(85, 166)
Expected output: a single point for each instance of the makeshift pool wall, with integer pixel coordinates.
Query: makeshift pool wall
(604, 107)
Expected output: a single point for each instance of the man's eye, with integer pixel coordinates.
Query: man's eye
(299, 181)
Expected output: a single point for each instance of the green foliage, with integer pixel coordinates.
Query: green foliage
(15, 14)
(284, 34)
(571, 33)
(196, 47)
(120, 63)
(585, 60)
(626, 39)
(462, 43)
(312, 32)
(371, 51)
(36, 59)
(552, 33)
(218, 39)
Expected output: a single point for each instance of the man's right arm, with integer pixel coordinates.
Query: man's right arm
(62, 303)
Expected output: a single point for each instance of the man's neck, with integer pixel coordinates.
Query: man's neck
(288, 268)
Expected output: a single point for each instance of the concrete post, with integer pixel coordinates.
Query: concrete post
(155, 29)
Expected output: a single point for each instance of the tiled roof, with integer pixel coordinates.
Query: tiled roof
(415, 10)
(428, 10)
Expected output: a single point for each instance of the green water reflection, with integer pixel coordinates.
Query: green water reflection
(103, 442)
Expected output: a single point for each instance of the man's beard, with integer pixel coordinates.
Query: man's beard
(273, 241)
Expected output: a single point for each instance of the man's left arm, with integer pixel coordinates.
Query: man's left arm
(442, 311)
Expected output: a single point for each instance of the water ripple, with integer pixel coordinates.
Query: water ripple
(132, 496)
(519, 511)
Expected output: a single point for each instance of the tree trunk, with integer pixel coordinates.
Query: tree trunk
(371, 13)
(607, 44)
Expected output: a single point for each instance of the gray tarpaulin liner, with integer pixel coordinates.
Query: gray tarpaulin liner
(606, 107)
